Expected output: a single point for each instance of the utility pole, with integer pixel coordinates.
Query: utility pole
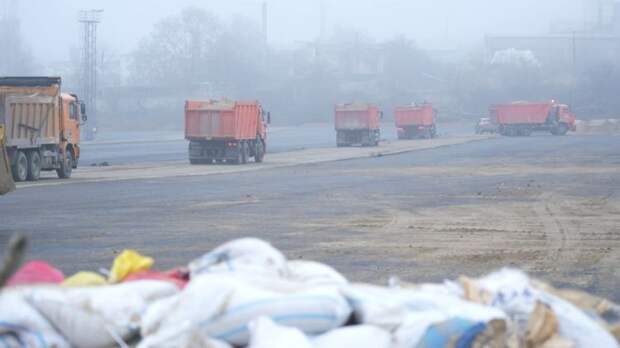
(265, 19)
(574, 68)
(88, 77)
(322, 29)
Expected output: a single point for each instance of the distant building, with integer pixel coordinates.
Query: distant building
(566, 47)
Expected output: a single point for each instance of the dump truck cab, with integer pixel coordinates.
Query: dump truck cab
(73, 112)
(565, 116)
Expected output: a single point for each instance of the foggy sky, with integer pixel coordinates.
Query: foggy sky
(51, 28)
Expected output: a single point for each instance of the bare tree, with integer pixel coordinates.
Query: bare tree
(14, 57)
(178, 51)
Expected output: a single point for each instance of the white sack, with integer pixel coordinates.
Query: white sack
(19, 318)
(246, 256)
(98, 316)
(389, 307)
(223, 306)
(314, 273)
(359, 336)
(264, 333)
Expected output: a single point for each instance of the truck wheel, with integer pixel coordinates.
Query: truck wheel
(245, 152)
(34, 165)
(66, 167)
(260, 151)
(560, 129)
(20, 169)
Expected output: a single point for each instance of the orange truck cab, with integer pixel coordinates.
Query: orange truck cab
(42, 126)
(226, 131)
(415, 121)
(357, 124)
(523, 118)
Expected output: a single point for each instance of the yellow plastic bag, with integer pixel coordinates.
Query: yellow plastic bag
(128, 262)
(85, 279)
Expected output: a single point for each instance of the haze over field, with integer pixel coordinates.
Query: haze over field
(461, 55)
(434, 24)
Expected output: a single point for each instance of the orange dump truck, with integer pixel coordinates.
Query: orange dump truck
(357, 124)
(225, 131)
(523, 118)
(415, 121)
(42, 126)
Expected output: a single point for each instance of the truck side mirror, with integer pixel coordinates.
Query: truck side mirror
(83, 112)
(268, 117)
(381, 114)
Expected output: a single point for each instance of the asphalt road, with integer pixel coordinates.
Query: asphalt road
(143, 147)
(547, 204)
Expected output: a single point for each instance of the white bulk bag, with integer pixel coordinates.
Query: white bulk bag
(246, 255)
(98, 316)
(20, 322)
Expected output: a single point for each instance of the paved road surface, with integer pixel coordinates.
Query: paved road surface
(548, 204)
(144, 147)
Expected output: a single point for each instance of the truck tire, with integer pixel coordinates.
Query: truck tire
(239, 156)
(560, 129)
(20, 169)
(245, 152)
(260, 151)
(34, 165)
(66, 167)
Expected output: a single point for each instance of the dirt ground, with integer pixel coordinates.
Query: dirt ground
(548, 205)
(572, 241)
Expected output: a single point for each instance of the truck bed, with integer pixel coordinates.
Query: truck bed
(354, 117)
(405, 116)
(522, 113)
(30, 114)
(221, 120)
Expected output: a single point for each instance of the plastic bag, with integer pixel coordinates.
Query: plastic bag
(36, 272)
(85, 279)
(128, 262)
(242, 256)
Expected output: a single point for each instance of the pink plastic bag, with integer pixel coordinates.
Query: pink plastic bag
(36, 272)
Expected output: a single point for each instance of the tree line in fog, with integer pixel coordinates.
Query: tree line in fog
(196, 55)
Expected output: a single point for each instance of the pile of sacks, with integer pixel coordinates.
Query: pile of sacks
(245, 293)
